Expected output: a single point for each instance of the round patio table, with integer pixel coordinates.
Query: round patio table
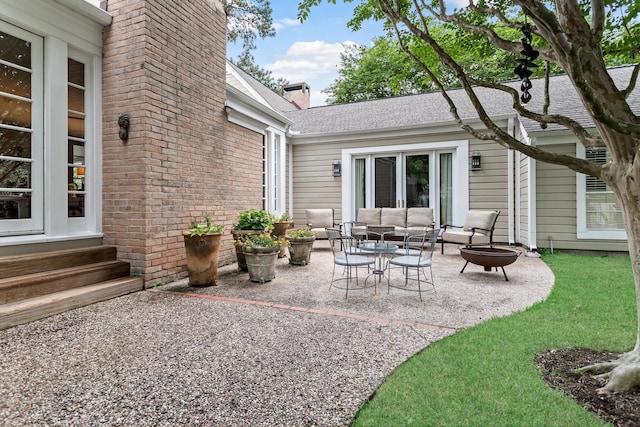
(380, 250)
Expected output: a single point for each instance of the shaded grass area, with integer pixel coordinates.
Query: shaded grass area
(485, 375)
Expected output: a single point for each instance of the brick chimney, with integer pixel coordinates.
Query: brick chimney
(298, 94)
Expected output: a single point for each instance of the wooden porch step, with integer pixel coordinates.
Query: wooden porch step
(27, 286)
(18, 265)
(42, 306)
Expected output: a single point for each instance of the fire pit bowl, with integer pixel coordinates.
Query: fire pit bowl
(488, 257)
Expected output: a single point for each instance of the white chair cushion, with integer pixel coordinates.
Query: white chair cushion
(479, 219)
(462, 237)
(393, 216)
(370, 216)
(420, 216)
(320, 218)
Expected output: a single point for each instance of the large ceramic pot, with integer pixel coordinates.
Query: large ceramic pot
(237, 235)
(261, 262)
(202, 258)
(279, 230)
(300, 250)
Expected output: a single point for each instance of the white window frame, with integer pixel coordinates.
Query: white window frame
(581, 209)
(275, 177)
(35, 225)
(66, 33)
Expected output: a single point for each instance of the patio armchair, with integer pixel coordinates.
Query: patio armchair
(477, 229)
(318, 220)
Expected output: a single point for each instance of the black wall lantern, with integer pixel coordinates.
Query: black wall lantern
(475, 161)
(337, 168)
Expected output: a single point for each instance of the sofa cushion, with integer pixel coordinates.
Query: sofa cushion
(370, 216)
(480, 219)
(393, 216)
(422, 216)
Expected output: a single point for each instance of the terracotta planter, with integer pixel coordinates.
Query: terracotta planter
(202, 258)
(237, 235)
(279, 230)
(300, 250)
(261, 263)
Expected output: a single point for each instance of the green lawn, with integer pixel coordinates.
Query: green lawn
(485, 375)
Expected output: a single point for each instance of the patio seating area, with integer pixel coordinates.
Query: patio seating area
(291, 351)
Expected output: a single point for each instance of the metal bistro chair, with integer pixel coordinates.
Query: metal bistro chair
(350, 236)
(349, 261)
(418, 254)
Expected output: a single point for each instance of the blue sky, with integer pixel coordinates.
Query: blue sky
(309, 52)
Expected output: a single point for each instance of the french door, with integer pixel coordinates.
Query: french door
(21, 122)
(405, 180)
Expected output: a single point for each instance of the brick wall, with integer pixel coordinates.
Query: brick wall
(164, 64)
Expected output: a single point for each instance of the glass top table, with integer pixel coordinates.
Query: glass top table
(380, 250)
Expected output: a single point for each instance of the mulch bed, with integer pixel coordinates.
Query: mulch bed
(557, 368)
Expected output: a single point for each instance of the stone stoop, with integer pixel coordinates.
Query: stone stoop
(39, 285)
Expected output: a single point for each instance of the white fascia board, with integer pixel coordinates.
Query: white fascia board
(88, 10)
(449, 126)
(247, 87)
(244, 111)
(57, 19)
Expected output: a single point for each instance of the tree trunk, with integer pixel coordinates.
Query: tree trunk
(623, 374)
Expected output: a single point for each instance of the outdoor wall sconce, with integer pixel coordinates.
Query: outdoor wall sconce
(475, 161)
(337, 168)
(123, 123)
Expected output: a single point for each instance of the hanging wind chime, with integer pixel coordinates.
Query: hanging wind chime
(524, 64)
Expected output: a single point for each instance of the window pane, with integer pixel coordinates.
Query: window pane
(14, 143)
(15, 112)
(603, 212)
(385, 182)
(15, 174)
(76, 72)
(15, 205)
(446, 188)
(76, 99)
(76, 205)
(417, 180)
(76, 125)
(15, 81)
(15, 50)
(360, 184)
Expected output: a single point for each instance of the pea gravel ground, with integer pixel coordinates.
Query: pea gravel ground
(290, 352)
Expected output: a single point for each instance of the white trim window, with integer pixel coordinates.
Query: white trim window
(274, 178)
(598, 212)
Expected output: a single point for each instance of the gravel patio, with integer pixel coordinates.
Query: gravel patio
(290, 352)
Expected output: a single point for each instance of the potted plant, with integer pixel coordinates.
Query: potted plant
(281, 224)
(300, 245)
(251, 221)
(261, 254)
(202, 245)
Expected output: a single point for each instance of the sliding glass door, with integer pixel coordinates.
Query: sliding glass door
(404, 180)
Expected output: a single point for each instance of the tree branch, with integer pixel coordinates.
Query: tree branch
(496, 134)
(598, 17)
(632, 82)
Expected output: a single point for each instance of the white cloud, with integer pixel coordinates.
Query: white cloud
(285, 23)
(306, 61)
